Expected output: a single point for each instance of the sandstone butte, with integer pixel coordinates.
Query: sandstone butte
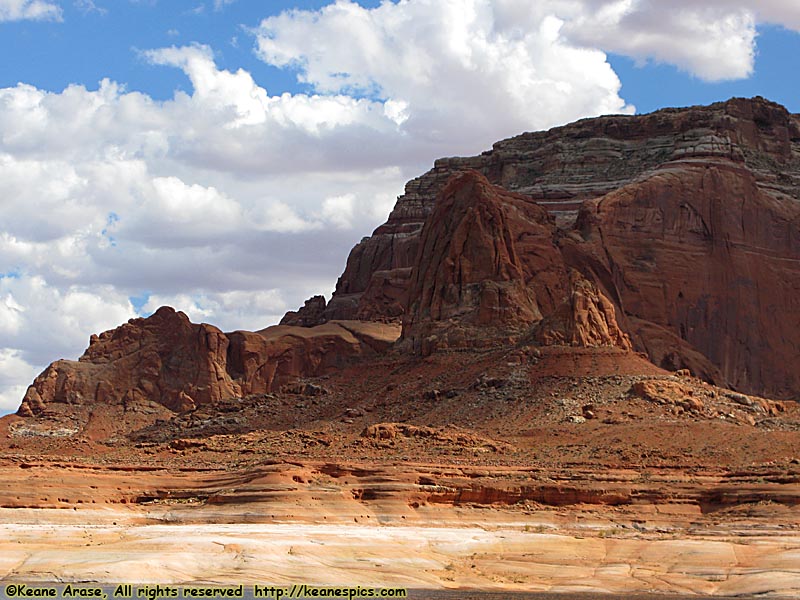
(603, 316)
(686, 220)
(675, 233)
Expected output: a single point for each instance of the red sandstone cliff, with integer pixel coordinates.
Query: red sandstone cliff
(182, 365)
(689, 226)
(488, 268)
(676, 233)
(704, 261)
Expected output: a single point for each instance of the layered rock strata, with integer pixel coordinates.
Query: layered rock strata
(686, 220)
(675, 233)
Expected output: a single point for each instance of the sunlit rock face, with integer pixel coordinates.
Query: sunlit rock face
(686, 220)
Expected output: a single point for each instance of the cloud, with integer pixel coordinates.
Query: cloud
(404, 50)
(218, 90)
(88, 6)
(711, 40)
(780, 12)
(107, 202)
(38, 320)
(229, 311)
(435, 65)
(220, 4)
(339, 210)
(16, 375)
(36, 10)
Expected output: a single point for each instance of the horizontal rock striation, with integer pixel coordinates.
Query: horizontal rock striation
(686, 220)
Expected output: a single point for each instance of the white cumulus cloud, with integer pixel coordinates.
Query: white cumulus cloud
(436, 65)
(16, 375)
(37, 10)
(712, 40)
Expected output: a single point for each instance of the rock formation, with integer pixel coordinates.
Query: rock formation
(308, 315)
(183, 365)
(486, 262)
(164, 357)
(676, 234)
(687, 221)
(699, 249)
(586, 318)
(488, 268)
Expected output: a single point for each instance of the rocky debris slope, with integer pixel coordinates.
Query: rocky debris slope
(687, 221)
(182, 365)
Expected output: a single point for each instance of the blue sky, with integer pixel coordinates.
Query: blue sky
(657, 85)
(103, 39)
(90, 44)
(223, 156)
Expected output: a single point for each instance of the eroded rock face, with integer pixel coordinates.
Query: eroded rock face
(564, 166)
(686, 220)
(182, 365)
(489, 269)
(164, 357)
(586, 318)
(676, 233)
(308, 315)
(700, 250)
(486, 267)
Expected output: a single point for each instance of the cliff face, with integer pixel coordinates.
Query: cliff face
(489, 267)
(686, 220)
(486, 262)
(564, 166)
(704, 260)
(182, 365)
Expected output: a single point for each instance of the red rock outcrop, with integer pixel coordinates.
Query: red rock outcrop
(689, 225)
(586, 318)
(486, 267)
(677, 233)
(164, 357)
(562, 167)
(700, 250)
(182, 365)
(308, 315)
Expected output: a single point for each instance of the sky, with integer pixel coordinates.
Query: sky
(223, 156)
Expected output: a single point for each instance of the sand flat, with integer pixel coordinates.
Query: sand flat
(503, 556)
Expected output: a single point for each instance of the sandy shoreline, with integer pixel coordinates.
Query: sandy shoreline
(523, 555)
(418, 526)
